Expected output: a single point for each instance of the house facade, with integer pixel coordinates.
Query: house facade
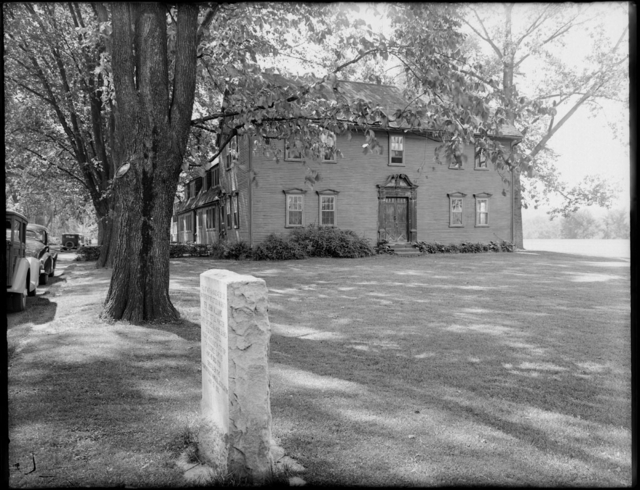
(401, 195)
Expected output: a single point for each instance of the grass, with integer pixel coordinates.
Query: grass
(504, 369)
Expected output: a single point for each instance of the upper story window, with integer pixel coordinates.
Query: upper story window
(292, 151)
(482, 209)
(456, 208)
(215, 175)
(456, 162)
(396, 150)
(192, 188)
(329, 141)
(480, 160)
(294, 211)
(232, 152)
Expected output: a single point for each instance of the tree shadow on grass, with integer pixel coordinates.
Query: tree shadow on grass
(471, 407)
(95, 416)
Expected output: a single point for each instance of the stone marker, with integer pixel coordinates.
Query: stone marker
(235, 377)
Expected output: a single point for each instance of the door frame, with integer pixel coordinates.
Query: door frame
(398, 185)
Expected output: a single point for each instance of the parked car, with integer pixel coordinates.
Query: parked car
(39, 246)
(22, 271)
(72, 241)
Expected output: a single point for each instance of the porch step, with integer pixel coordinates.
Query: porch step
(405, 249)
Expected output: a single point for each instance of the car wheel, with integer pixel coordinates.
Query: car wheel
(69, 244)
(17, 302)
(53, 269)
(44, 279)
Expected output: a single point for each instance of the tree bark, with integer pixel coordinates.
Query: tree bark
(151, 134)
(518, 238)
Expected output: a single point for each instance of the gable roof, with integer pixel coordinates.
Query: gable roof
(388, 97)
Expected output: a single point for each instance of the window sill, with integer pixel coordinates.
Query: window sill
(396, 165)
(456, 168)
(482, 169)
(456, 226)
(482, 226)
(293, 160)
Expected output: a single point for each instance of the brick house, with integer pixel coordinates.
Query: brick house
(402, 195)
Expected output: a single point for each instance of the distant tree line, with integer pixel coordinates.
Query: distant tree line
(581, 224)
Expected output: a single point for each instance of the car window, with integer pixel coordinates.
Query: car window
(35, 235)
(17, 236)
(8, 230)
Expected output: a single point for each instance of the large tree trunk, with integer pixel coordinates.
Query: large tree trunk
(152, 129)
(107, 232)
(517, 210)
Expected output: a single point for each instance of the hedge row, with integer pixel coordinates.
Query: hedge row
(307, 242)
(464, 247)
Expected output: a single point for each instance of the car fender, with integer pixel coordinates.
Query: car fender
(36, 267)
(18, 282)
(48, 257)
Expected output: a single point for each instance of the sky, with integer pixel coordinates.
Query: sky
(585, 144)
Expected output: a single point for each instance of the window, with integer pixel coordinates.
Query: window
(294, 207)
(232, 152)
(192, 189)
(329, 153)
(456, 162)
(480, 159)
(210, 219)
(293, 152)
(236, 215)
(215, 176)
(228, 210)
(456, 207)
(8, 230)
(482, 209)
(207, 180)
(396, 150)
(327, 207)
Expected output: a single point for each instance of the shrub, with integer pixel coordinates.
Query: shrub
(464, 247)
(383, 247)
(276, 247)
(180, 249)
(506, 246)
(85, 253)
(216, 250)
(331, 242)
(237, 251)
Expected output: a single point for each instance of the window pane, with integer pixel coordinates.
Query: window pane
(327, 203)
(328, 218)
(295, 203)
(483, 219)
(456, 218)
(456, 205)
(295, 217)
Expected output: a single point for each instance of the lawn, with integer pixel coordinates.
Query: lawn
(504, 369)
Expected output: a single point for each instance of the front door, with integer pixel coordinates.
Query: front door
(395, 216)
